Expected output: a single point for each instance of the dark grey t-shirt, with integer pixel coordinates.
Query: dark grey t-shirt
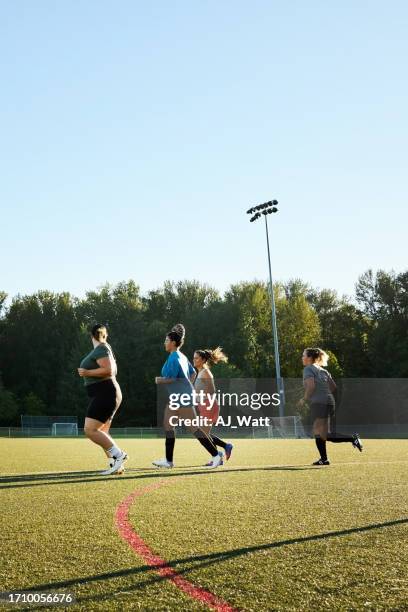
(321, 393)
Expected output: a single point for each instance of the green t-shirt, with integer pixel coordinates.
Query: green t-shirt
(90, 362)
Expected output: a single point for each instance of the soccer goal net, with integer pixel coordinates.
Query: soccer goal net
(281, 427)
(64, 429)
(43, 425)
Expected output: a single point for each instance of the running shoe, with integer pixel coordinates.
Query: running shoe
(321, 462)
(118, 462)
(228, 451)
(357, 442)
(163, 463)
(216, 462)
(210, 462)
(108, 472)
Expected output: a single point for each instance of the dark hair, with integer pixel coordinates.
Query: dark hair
(177, 334)
(212, 357)
(318, 355)
(99, 331)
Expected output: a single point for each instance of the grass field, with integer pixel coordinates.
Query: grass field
(266, 532)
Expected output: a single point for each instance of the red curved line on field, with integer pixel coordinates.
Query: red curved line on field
(163, 569)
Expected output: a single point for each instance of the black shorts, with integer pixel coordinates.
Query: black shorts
(321, 411)
(105, 398)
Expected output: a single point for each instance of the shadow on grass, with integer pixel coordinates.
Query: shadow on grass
(196, 562)
(40, 480)
(11, 478)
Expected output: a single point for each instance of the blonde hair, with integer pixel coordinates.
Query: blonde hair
(319, 356)
(212, 357)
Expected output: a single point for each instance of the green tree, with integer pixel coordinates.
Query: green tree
(250, 328)
(33, 405)
(299, 329)
(44, 336)
(36, 340)
(384, 298)
(3, 298)
(246, 332)
(9, 408)
(344, 331)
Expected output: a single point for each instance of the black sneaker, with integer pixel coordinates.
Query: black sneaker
(321, 462)
(357, 442)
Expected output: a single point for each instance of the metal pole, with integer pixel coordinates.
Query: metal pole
(279, 381)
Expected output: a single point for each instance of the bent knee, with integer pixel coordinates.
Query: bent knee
(89, 430)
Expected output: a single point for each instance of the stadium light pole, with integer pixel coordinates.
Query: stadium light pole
(264, 210)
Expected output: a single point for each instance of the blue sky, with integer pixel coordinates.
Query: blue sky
(135, 135)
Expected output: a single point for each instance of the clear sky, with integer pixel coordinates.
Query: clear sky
(134, 135)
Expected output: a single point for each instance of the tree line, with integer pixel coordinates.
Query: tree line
(44, 336)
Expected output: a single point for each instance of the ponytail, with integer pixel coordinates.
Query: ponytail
(319, 356)
(212, 357)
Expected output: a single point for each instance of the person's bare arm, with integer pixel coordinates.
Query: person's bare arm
(209, 382)
(309, 386)
(105, 369)
(161, 380)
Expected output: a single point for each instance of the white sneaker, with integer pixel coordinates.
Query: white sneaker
(117, 465)
(216, 461)
(221, 454)
(108, 472)
(163, 463)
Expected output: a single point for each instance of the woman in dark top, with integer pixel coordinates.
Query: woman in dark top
(319, 388)
(98, 370)
(177, 374)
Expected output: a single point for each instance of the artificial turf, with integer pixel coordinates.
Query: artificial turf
(266, 532)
